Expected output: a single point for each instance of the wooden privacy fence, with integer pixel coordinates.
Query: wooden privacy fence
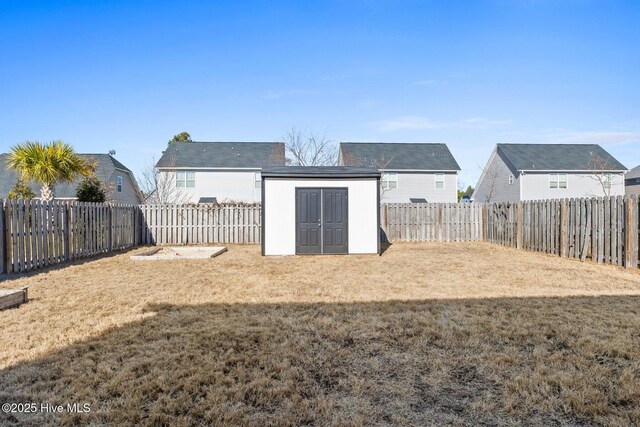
(431, 222)
(35, 234)
(602, 229)
(201, 224)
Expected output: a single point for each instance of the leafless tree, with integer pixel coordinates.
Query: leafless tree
(491, 175)
(309, 149)
(349, 159)
(159, 186)
(601, 172)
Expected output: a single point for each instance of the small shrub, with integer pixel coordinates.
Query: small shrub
(21, 191)
(91, 190)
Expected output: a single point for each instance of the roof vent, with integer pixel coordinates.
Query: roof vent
(112, 152)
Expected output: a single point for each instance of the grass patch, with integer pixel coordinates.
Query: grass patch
(426, 334)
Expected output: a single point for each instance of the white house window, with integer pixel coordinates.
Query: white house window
(511, 178)
(558, 180)
(439, 181)
(258, 179)
(185, 179)
(606, 183)
(389, 180)
(637, 180)
(119, 183)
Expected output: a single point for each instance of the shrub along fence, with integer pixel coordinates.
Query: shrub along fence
(604, 230)
(36, 234)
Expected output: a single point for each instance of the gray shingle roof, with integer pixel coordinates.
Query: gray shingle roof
(321, 172)
(559, 157)
(222, 155)
(105, 165)
(390, 156)
(633, 173)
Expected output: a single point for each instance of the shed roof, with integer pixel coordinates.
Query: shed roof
(398, 156)
(320, 172)
(222, 155)
(559, 157)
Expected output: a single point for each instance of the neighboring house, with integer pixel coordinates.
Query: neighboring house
(632, 181)
(411, 172)
(518, 172)
(120, 184)
(221, 171)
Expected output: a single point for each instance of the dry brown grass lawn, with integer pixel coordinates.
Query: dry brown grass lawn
(425, 334)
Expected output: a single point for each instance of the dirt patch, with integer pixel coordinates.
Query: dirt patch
(426, 334)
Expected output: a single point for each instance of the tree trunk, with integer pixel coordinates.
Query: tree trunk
(46, 193)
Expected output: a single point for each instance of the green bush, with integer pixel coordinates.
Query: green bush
(91, 190)
(21, 191)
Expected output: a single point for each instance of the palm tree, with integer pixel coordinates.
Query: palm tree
(46, 164)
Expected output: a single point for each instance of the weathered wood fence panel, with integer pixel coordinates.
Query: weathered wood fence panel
(431, 222)
(200, 224)
(604, 230)
(36, 234)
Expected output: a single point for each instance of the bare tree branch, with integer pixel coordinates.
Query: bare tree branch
(308, 149)
(159, 187)
(349, 159)
(491, 174)
(600, 168)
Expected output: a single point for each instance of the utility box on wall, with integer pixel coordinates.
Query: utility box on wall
(320, 210)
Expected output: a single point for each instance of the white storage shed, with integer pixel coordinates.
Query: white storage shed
(320, 210)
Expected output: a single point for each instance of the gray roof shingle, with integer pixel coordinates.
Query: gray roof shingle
(559, 157)
(105, 165)
(633, 173)
(222, 155)
(398, 156)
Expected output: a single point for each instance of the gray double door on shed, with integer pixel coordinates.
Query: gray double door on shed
(321, 221)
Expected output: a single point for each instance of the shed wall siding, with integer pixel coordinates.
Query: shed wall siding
(535, 186)
(421, 185)
(280, 215)
(495, 186)
(227, 186)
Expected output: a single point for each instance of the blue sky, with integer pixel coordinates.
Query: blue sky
(127, 75)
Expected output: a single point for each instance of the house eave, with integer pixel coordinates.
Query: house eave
(212, 168)
(571, 171)
(420, 170)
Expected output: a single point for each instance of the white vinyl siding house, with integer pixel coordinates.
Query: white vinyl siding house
(540, 186)
(500, 181)
(519, 172)
(221, 171)
(417, 171)
(433, 187)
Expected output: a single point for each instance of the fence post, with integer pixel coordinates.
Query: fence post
(484, 222)
(519, 227)
(136, 225)
(3, 240)
(110, 227)
(631, 232)
(563, 228)
(66, 222)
